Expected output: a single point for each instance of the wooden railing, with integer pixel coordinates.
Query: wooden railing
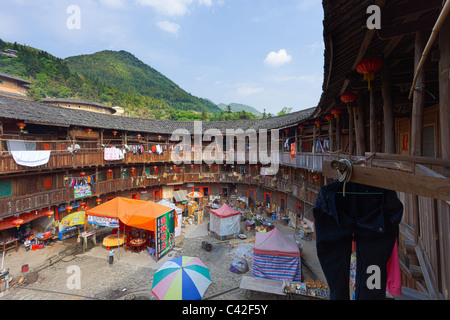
(27, 203)
(57, 160)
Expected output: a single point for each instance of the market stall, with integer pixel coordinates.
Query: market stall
(225, 222)
(276, 256)
(179, 213)
(71, 225)
(140, 219)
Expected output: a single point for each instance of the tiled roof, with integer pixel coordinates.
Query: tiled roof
(35, 112)
(77, 101)
(10, 76)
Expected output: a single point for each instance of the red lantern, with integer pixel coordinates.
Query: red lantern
(337, 113)
(301, 128)
(329, 117)
(318, 122)
(114, 133)
(89, 131)
(109, 173)
(98, 201)
(347, 98)
(17, 223)
(83, 204)
(133, 171)
(21, 126)
(316, 178)
(82, 174)
(159, 138)
(49, 213)
(155, 168)
(368, 67)
(68, 208)
(138, 136)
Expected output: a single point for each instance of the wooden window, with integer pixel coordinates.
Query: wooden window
(206, 191)
(298, 209)
(251, 193)
(282, 203)
(267, 197)
(5, 188)
(157, 194)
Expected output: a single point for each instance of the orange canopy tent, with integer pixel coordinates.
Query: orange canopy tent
(134, 213)
(145, 215)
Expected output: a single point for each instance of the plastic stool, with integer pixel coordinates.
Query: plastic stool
(273, 217)
(151, 251)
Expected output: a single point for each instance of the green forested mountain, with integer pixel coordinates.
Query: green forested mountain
(235, 107)
(121, 70)
(119, 80)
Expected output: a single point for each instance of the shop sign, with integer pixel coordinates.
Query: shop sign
(165, 228)
(82, 191)
(103, 221)
(73, 204)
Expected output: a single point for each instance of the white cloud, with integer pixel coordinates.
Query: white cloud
(173, 7)
(207, 3)
(247, 91)
(313, 47)
(168, 26)
(113, 4)
(277, 59)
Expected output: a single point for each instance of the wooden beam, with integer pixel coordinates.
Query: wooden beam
(360, 127)
(412, 159)
(350, 130)
(444, 91)
(418, 99)
(428, 272)
(430, 187)
(412, 7)
(388, 110)
(396, 30)
(372, 122)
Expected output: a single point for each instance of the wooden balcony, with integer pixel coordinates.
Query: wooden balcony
(57, 160)
(27, 203)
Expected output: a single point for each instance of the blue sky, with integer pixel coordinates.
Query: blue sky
(264, 53)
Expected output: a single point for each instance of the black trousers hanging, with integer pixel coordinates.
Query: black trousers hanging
(369, 216)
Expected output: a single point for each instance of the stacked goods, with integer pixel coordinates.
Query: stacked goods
(313, 288)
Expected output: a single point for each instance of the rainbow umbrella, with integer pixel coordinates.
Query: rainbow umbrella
(182, 278)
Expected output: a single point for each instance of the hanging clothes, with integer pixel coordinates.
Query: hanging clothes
(368, 215)
(31, 158)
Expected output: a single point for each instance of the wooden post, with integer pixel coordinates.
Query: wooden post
(418, 99)
(338, 135)
(444, 91)
(389, 129)
(101, 138)
(372, 122)
(361, 129)
(350, 130)
(330, 134)
(296, 140)
(314, 139)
